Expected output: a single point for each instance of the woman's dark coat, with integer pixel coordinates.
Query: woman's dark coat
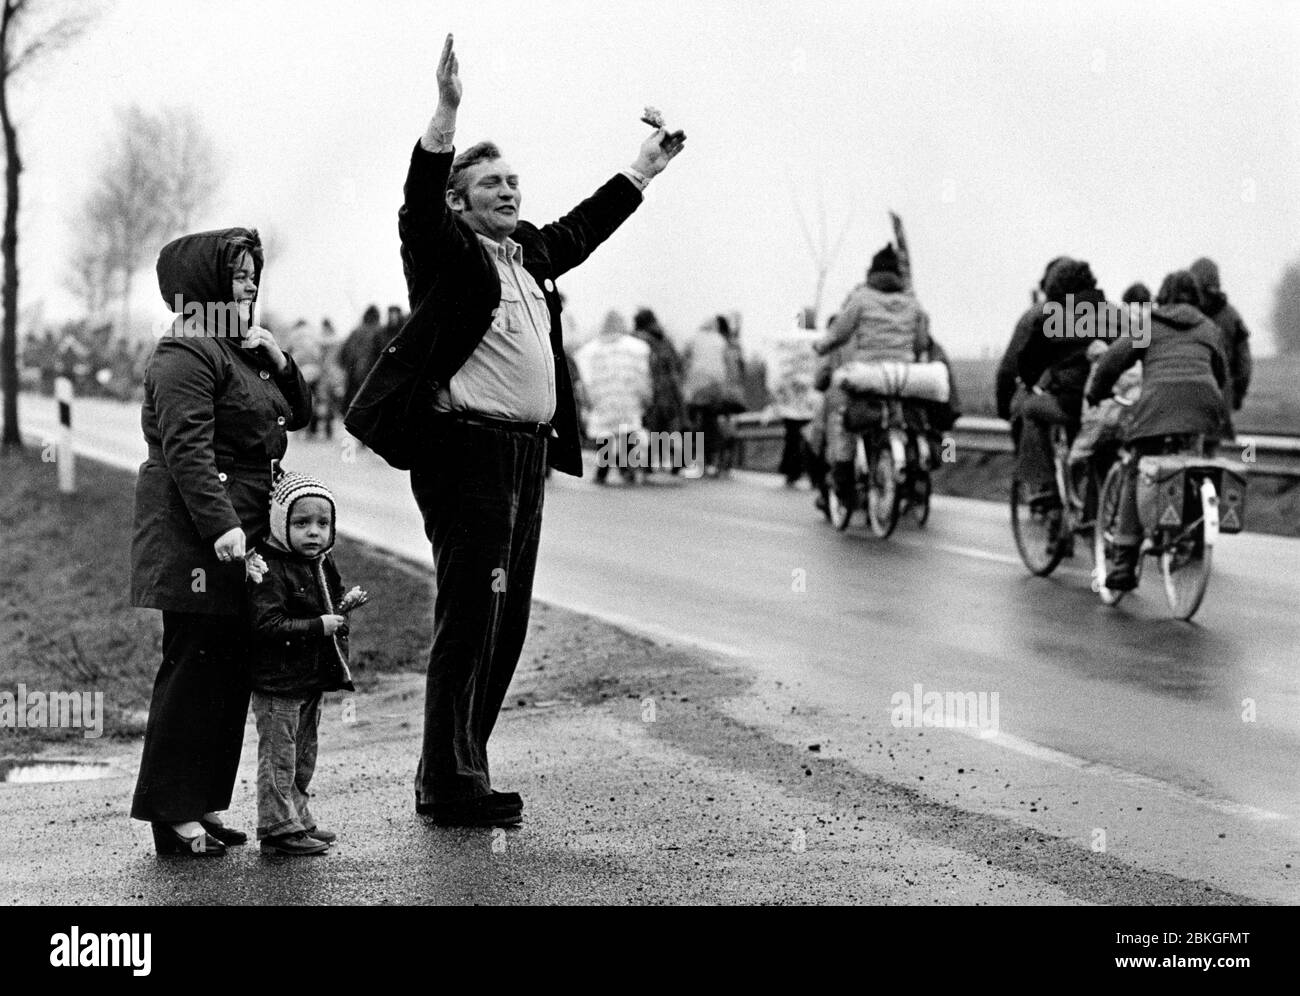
(1184, 371)
(215, 416)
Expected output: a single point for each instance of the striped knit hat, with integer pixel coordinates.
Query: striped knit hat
(287, 490)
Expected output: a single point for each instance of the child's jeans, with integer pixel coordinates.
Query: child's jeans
(286, 760)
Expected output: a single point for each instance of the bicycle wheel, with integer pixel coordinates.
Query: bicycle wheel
(1103, 535)
(884, 497)
(1035, 532)
(1185, 567)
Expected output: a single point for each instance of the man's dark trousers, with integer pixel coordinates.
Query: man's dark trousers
(482, 508)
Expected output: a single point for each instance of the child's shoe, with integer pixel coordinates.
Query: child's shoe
(293, 845)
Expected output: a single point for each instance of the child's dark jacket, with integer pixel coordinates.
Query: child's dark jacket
(292, 656)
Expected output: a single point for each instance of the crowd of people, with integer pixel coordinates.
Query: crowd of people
(98, 363)
(103, 364)
(633, 382)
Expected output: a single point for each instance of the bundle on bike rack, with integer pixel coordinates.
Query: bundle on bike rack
(1168, 495)
(893, 378)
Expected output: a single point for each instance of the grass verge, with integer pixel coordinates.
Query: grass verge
(66, 622)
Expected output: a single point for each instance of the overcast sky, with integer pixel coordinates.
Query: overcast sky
(1135, 135)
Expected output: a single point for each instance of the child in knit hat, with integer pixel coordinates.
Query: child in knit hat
(300, 651)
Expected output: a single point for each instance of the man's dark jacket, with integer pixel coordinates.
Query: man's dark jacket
(1008, 375)
(454, 290)
(1059, 365)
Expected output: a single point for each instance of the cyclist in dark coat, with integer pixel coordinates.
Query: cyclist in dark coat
(1184, 371)
(1059, 366)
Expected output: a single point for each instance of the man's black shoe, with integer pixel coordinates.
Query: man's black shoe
(499, 809)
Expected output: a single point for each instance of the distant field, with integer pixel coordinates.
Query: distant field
(1272, 404)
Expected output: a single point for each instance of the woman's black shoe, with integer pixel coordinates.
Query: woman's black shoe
(168, 841)
(224, 833)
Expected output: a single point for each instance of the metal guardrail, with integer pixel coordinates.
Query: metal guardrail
(1264, 456)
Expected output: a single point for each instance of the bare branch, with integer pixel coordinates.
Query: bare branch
(55, 36)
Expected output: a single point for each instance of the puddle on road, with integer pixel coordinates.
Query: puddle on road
(32, 772)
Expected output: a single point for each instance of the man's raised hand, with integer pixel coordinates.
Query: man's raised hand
(449, 88)
(658, 150)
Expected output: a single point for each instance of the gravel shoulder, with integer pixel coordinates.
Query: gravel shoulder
(641, 785)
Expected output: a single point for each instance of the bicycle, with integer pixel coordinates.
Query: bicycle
(1045, 526)
(891, 466)
(1179, 511)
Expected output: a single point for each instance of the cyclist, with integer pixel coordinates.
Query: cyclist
(1055, 369)
(1009, 392)
(1184, 371)
(880, 320)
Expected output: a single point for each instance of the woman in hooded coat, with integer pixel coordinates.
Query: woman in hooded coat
(1184, 379)
(220, 399)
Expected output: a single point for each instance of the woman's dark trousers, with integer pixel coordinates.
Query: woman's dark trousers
(196, 719)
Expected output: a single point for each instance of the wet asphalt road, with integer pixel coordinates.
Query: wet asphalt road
(1118, 726)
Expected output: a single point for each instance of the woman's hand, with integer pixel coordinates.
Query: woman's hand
(334, 623)
(260, 338)
(230, 545)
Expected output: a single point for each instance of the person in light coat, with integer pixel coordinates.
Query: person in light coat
(615, 370)
(791, 366)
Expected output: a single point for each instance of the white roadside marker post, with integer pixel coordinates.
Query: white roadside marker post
(66, 459)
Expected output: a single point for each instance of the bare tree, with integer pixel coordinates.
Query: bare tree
(90, 277)
(159, 175)
(27, 32)
(820, 249)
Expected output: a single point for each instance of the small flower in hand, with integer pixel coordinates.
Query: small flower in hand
(354, 599)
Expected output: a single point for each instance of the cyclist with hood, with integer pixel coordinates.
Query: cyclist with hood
(1182, 405)
(1054, 369)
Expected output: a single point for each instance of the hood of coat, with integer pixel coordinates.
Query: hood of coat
(1206, 272)
(1068, 276)
(646, 325)
(614, 327)
(290, 489)
(198, 269)
(1178, 316)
